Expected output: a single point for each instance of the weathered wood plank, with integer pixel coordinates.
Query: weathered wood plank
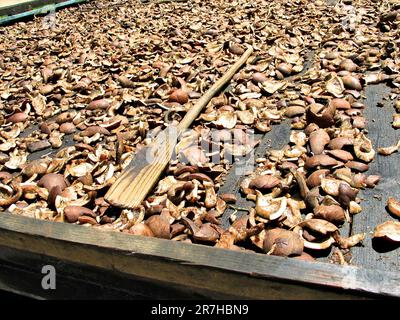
(15, 12)
(15, 7)
(382, 135)
(196, 266)
(275, 139)
(136, 181)
(20, 272)
(10, 3)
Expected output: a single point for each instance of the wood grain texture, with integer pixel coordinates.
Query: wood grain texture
(20, 273)
(12, 7)
(275, 139)
(380, 131)
(140, 176)
(196, 266)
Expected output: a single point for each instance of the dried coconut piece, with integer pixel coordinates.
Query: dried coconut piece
(335, 86)
(269, 208)
(363, 148)
(386, 151)
(226, 119)
(389, 230)
(393, 206)
(39, 104)
(282, 242)
(80, 170)
(17, 159)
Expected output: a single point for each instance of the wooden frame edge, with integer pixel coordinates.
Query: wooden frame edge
(258, 276)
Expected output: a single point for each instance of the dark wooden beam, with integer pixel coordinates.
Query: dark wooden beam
(248, 275)
(13, 9)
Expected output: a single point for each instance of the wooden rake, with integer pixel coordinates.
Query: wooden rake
(143, 172)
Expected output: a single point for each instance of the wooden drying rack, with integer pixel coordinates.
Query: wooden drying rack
(118, 265)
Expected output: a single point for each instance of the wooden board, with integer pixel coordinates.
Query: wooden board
(11, 7)
(11, 11)
(198, 271)
(20, 273)
(243, 274)
(374, 255)
(275, 139)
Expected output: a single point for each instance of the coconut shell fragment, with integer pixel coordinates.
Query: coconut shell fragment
(348, 65)
(64, 117)
(322, 160)
(341, 155)
(318, 140)
(396, 121)
(101, 99)
(259, 77)
(38, 146)
(268, 208)
(51, 180)
(314, 179)
(67, 128)
(98, 104)
(285, 68)
(206, 233)
(17, 117)
(87, 220)
(393, 206)
(195, 155)
(305, 257)
(313, 198)
(14, 194)
(38, 167)
(322, 116)
(264, 182)
(372, 180)
(294, 111)
(92, 130)
(357, 166)
(352, 83)
(348, 242)
(389, 230)
(339, 142)
(281, 242)
(319, 245)
(387, 151)
(228, 197)
(332, 213)
(160, 226)
(340, 104)
(319, 225)
(363, 148)
(179, 95)
(346, 194)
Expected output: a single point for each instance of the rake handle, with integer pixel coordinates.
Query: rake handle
(140, 176)
(194, 112)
